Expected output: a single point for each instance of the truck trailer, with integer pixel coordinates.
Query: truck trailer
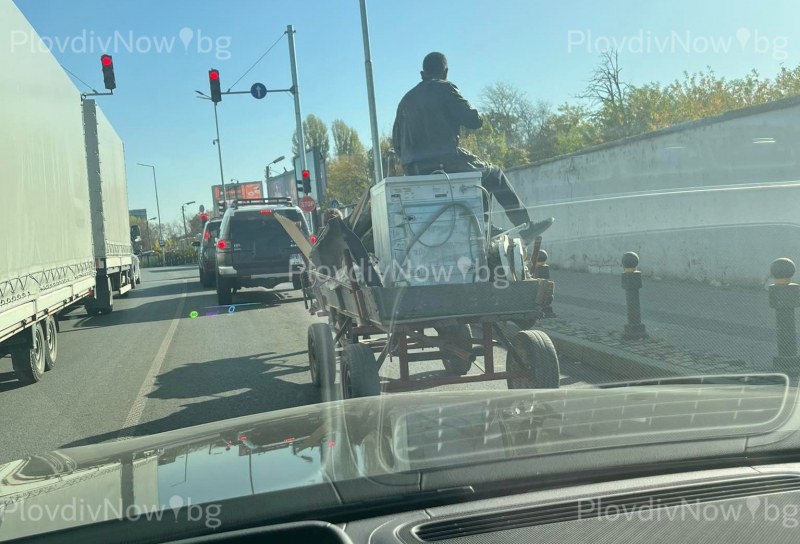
(108, 199)
(46, 258)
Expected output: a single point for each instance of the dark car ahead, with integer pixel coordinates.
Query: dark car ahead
(254, 250)
(206, 253)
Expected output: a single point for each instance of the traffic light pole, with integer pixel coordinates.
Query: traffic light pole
(373, 116)
(219, 152)
(301, 142)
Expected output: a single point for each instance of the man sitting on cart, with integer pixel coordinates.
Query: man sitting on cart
(425, 136)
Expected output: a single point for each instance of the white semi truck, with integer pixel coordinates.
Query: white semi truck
(108, 199)
(57, 236)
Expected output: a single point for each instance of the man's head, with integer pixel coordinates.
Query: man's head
(434, 66)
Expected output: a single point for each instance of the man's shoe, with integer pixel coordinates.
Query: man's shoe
(536, 229)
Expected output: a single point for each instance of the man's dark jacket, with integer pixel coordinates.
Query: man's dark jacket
(428, 122)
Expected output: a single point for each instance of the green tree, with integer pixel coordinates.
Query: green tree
(486, 143)
(345, 139)
(348, 178)
(316, 135)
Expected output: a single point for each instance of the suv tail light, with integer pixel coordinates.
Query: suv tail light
(207, 235)
(223, 244)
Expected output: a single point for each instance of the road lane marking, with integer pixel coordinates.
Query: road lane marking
(135, 414)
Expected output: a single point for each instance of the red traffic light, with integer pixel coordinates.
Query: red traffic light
(107, 64)
(306, 174)
(214, 85)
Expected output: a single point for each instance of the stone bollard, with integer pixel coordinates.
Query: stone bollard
(543, 272)
(784, 297)
(632, 282)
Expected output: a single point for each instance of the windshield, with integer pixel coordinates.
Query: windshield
(488, 231)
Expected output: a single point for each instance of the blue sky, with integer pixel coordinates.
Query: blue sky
(547, 49)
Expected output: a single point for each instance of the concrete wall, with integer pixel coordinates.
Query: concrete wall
(714, 201)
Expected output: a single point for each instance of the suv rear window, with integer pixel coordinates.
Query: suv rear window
(213, 228)
(252, 225)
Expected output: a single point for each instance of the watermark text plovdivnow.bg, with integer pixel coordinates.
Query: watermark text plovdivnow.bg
(87, 41)
(744, 40)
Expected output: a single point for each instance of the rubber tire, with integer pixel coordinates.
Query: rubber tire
(321, 355)
(461, 336)
(110, 308)
(51, 341)
(205, 281)
(297, 283)
(359, 372)
(533, 363)
(224, 293)
(29, 363)
(92, 311)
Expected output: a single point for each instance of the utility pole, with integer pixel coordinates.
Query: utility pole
(158, 209)
(301, 141)
(373, 116)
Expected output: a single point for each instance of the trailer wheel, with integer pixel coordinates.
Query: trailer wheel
(359, 372)
(110, 308)
(533, 362)
(205, 281)
(297, 282)
(51, 337)
(461, 336)
(321, 355)
(29, 363)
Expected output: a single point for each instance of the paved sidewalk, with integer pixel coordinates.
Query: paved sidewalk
(692, 328)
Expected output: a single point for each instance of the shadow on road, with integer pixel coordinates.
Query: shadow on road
(8, 381)
(222, 389)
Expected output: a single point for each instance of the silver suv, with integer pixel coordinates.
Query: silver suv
(254, 250)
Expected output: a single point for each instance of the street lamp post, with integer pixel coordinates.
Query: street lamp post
(183, 213)
(158, 208)
(266, 173)
(149, 235)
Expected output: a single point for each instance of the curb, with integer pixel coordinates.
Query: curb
(609, 359)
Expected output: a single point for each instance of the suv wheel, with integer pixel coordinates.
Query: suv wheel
(224, 292)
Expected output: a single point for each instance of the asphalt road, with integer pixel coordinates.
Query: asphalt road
(168, 357)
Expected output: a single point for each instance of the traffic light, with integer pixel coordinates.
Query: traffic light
(108, 72)
(213, 81)
(306, 182)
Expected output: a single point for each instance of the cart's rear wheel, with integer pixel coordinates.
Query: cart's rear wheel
(460, 336)
(533, 362)
(321, 355)
(359, 372)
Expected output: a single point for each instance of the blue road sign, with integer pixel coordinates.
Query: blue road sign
(334, 204)
(258, 90)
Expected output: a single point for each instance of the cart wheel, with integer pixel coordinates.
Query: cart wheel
(359, 372)
(533, 363)
(321, 355)
(460, 336)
